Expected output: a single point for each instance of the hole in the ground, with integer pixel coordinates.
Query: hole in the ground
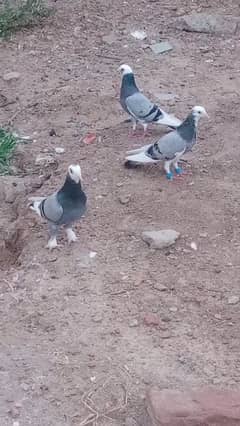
(11, 248)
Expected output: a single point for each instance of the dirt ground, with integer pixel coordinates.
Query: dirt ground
(75, 349)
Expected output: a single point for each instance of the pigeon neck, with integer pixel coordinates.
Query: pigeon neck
(188, 128)
(129, 86)
(72, 188)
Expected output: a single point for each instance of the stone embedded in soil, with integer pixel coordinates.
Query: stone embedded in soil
(11, 76)
(207, 23)
(233, 300)
(205, 406)
(151, 319)
(159, 287)
(134, 323)
(124, 199)
(45, 160)
(59, 150)
(160, 239)
(162, 47)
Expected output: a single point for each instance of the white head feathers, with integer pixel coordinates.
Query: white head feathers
(75, 173)
(125, 69)
(199, 111)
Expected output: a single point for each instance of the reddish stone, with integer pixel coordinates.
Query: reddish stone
(203, 407)
(151, 319)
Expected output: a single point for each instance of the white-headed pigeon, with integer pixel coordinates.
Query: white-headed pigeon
(171, 147)
(64, 207)
(139, 107)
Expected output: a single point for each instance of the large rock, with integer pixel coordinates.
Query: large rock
(160, 239)
(207, 23)
(203, 407)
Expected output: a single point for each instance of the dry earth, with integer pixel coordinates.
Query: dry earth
(73, 341)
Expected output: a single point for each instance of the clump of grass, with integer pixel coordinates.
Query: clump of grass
(8, 144)
(15, 15)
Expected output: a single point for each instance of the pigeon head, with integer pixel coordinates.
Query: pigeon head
(198, 112)
(125, 69)
(74, 172)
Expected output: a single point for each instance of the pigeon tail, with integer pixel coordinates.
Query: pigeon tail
(169, 120)
(141, 157)
(138, 150)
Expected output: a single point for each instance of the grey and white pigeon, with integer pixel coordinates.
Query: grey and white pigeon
(171, 147)
(139, 107)
(64, 207)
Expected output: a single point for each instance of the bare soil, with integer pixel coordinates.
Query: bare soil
(75, 349)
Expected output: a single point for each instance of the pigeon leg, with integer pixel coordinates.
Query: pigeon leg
(71, 235)
(169, 174)
(146, 132)
(133, 132)
(52, 242)
(179, 171)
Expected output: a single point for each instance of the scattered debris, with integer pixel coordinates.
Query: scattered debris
(159, 287)
(11, 76)
(92, 254)
(97, 318)
(139, 35)
(52, 132)
(233, 300)
(124, 199)
(161, 47)
(134, 323)
(193, 246)
(218, 316)
(207, 23)
(45, 160)
(89, 138)
(59, 150)
(203, 234)
(160, 239)
(173, 309)
(151, 319)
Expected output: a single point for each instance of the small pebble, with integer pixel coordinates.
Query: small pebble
(92, 254)
(52, 132)
(193, 246)
(59, 150)
(134, 323)
(173, 309)
(233, 300)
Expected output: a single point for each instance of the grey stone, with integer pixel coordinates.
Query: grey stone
(207, 23)
(124, 199)
(233, 300)
(188, 407)
(160, 239)
(11, 76)
(160, 287)
(45, 160)
(134, 323)
(162, 47)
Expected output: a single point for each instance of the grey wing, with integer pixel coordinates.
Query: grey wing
(170, 145)
(140, 107)
(52, 210)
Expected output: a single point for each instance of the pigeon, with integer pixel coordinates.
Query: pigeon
(64, 207)
(139, 107)
(171, 146)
